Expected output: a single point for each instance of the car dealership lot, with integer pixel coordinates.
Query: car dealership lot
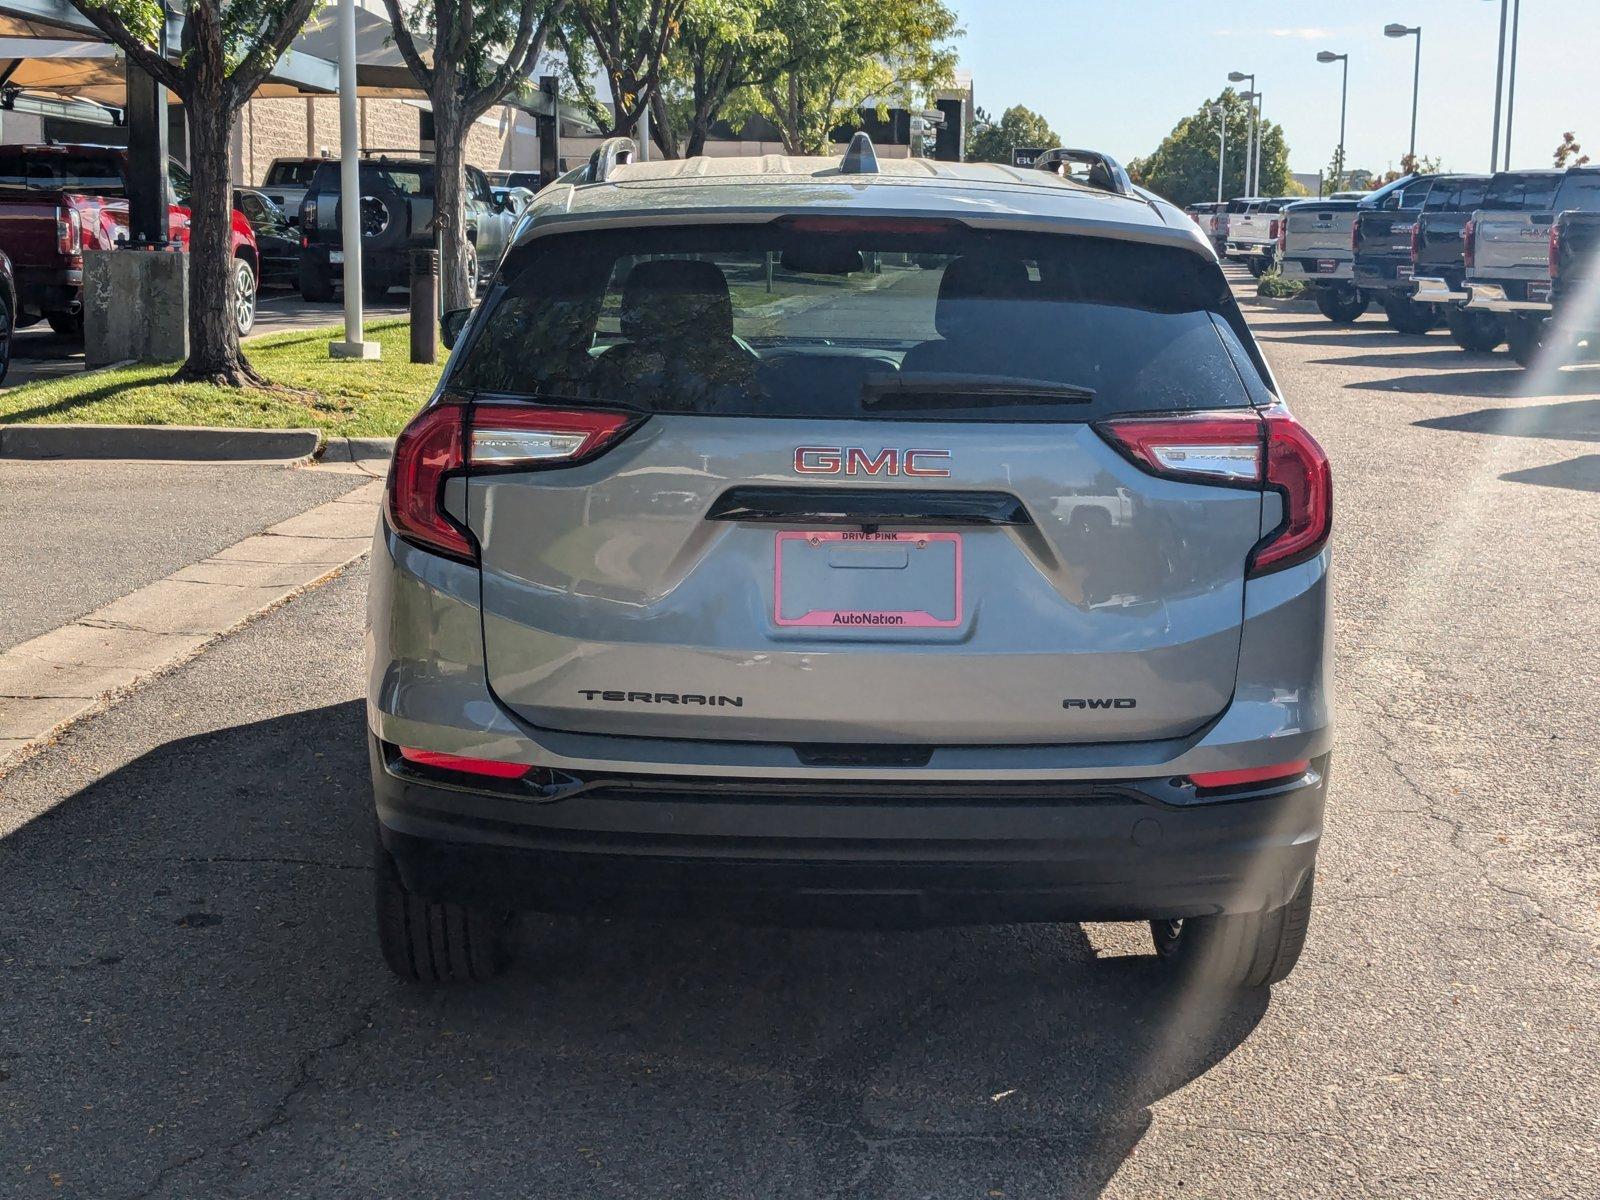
(194, 1005)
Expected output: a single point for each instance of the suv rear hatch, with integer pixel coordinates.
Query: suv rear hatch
(852, 481)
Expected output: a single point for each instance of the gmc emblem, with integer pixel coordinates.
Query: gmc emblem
(853, 460)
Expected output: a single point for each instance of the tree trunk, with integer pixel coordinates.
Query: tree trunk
(450, 127)
(214, 355)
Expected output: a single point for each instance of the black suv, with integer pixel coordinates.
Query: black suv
(396, 218)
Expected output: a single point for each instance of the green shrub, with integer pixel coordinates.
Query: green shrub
(1273, 286)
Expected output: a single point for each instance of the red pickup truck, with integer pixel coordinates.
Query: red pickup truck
(58, 201)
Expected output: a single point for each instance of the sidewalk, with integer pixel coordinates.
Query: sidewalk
(121, 570)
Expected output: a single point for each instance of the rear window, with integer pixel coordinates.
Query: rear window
(1465, 196)
(1579, 189)
(51, 171)
(777, 321)
(1510, 192)
(409, 179)
(291, 174)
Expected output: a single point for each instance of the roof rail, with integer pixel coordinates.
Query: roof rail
(1104, 172)
(613, 152)
(860, 158)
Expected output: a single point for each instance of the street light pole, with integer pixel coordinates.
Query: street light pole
(1511, 84)
(1261, 132)
(1250, 144)
(1499, 83)
(1221, 114)
(1400, 31)
(1328, 56)
(350, 192)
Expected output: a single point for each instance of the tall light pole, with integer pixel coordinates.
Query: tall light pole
(354, 344)
(1499, 83)
(1511, 84)
(1252, 166)
(1397, 30)
(1221, 114)
(1328, 56)
(1249, 150)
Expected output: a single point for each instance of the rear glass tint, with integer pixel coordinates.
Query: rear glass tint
(1579, 189)
(1516, 192)
(291, 174)
(54, 171)
(767, 321)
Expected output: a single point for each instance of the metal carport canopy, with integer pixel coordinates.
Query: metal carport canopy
(56, 22)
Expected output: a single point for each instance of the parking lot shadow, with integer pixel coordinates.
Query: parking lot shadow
(1579, 474)
(195, 1006)
(1573, 420)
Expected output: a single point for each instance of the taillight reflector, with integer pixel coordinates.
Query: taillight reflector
(1217, 779)
(1241, 449)
(493, 768)
(1555, 250)
(453, 437)
(69, 231)
(1416, 243)
(1468, 251)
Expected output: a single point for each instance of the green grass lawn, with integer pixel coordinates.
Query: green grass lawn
(370, 399)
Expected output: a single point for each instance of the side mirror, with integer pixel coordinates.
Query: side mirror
(451, 325)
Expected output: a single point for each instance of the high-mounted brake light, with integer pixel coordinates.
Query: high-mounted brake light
(453, 438)
(1247, 449)
(1469, 252)
(493, 768)
(825, 224)
(1247, 775)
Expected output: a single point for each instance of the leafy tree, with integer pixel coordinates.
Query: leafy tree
(993, 141)
(1184, 167)
(723, 47)
(841, 54)
(628, 40)
(483, 50)
(227, 49)
(1569, 153)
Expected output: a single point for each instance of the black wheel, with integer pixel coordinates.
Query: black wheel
(5, 338)
(1407, 316)
(1241, 951)
(316, 283)
(474, 273)
(1480, 332)
(244, 296)
(430, 941)
(1257, 265)
(67, 325)
(1525, 339)
(1341, 305)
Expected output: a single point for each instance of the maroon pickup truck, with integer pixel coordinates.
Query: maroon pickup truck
(58, 201)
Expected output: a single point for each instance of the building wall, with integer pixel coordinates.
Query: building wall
(270, 129)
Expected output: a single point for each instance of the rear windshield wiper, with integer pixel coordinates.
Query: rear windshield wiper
(955, 389)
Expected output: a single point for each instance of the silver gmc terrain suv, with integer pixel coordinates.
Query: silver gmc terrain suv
(852, 541)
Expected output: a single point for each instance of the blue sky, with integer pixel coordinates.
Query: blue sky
(1117, 74)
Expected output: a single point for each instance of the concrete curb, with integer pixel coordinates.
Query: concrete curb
(81, 668)
(188, 443)
(357, 450)
(1296, 305)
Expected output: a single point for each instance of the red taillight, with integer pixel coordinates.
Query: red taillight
(1208, 447)
(1280, 230)
(1468, 252)
(451, 437)
(1416, 243)
(1218, 779)
(1242, 449)
(69, 231)
(1555, 250)
(1272, 229)
(493, 768)
(1297, 469)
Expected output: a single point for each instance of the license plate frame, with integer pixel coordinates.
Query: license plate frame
(791, 542)
(336, 257)
(1327, 266)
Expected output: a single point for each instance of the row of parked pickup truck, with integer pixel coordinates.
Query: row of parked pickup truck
(1497, 258)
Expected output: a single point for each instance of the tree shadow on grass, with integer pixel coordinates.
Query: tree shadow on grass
(195, 1006)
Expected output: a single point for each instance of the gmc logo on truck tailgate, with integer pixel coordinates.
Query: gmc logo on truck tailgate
(853, 460)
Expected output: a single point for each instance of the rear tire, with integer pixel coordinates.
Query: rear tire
(1341, 305)
(1407, 316)
(316, 284)
(1479, 332)
(430, 941)
(244, 296)
(67, 325)
(1525, 339)
(1245, 950)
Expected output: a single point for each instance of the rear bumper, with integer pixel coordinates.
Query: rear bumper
(49, 289)
(1248, 249)
(827, 852)
(380, 264)
(1431, 289)
(1493, 297)
(1294, 268)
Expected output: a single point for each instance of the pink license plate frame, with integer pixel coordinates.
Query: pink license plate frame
(864, 618)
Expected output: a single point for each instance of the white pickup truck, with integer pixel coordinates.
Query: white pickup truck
(1253, 226)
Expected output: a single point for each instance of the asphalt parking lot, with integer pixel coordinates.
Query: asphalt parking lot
(194, 1006)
